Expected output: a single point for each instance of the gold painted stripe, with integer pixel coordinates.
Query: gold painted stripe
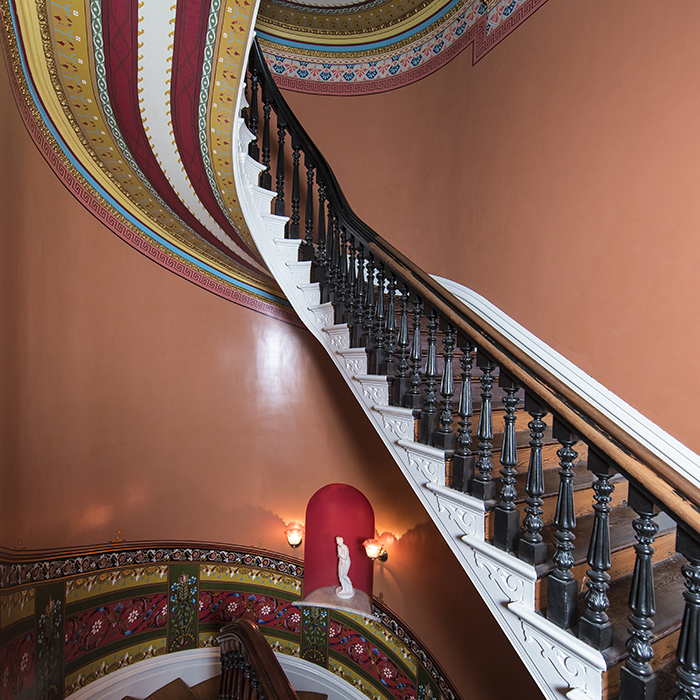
(86, 587)
(16, 606)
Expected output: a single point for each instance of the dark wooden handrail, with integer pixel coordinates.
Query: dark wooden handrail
(659, 480)
(249, 667)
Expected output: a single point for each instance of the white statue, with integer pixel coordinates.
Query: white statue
(345, 590)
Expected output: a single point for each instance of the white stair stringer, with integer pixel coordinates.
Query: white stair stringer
(562, 665)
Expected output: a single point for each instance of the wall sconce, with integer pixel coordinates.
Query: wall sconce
(295, 534)
(375, 550)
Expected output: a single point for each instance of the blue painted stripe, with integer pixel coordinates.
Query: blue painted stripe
(108, 198)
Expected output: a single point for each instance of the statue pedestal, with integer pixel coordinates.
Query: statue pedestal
(326, 597)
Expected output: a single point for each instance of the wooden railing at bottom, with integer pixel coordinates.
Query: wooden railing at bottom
(249, 668)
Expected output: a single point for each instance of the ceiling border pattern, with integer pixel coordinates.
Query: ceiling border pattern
(364, 69)
(46, 138)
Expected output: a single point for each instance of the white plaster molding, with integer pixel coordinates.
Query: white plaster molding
(338, 336)
(301, 272)
(398, 421)
(374, 388)
(288, 249)
(672, 451)
(311, 292)
(322, 314)
(466, 513)
(428, 462)
(355, 360)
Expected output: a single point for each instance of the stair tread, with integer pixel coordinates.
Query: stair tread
(621, 533)
(669, 586)
(209, 689)
(175, 690)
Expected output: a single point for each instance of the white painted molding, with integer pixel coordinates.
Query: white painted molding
(620, 412)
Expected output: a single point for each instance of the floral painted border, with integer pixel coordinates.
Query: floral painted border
(359, 73)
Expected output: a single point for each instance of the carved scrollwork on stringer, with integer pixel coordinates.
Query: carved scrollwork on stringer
(400, 427)
(432, 470)
(568, 667)
(509, 583)
(324, 318)
(376, 394)
(354, 365)
(467, 522)
(339, 341)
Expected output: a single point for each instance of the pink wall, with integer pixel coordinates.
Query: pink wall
(558, 177)
(133, 400)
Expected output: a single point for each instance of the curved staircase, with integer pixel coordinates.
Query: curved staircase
(576, 546)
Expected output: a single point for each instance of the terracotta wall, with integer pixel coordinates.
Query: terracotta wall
(133, 400)
(557, 177)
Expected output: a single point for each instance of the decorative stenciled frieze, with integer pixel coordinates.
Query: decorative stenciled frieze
(428, 463)
(397, 421)
(374, 388)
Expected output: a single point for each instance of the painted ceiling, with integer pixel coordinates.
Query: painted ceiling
(133, 103)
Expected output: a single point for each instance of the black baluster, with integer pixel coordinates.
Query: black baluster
(265, 176)
(328, 287)
(594, 627)
(321, 260)
(388, 366)
(483, 486)
(368, 335)
(413, 398)
(506, 515)
(688, 654)
(430, 416)
(376, 351)
(307, 247)
(401, 384)
(444, 437)
(562, 587)
(253, 149)
(279, 202)
(637, 678)
(533, 548)
(357, 334)
(340, 281)
(350, 287)
(463, 460)
(296, 157)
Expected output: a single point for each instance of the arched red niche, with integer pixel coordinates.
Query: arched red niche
(337, 510)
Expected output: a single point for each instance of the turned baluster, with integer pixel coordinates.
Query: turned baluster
(484, 486)
(388, 365)
(321, 261)
(294, 221)
(401, 379)
(430, 416)
(637, 678)
(463, 460)
(688, 654)
(279, 201)
(253, 149)
(533, 548)
(506, 515)
(340, 281)
(562, 587)
(307, 247)
(328, 288)
(368, 335)
(265, 176)
(357, 332)
(350, 287)
(444, 437)
(594, 627)
(376, 351)
(413, 398)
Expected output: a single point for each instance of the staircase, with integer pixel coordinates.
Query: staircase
(572, 529)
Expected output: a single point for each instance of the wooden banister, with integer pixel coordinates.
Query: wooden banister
(249, 668)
